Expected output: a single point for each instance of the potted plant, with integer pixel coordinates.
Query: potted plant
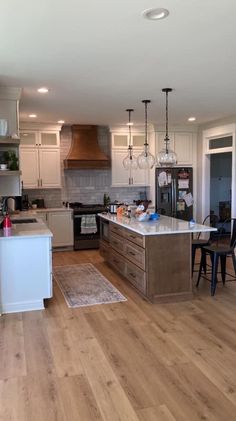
(12, 160)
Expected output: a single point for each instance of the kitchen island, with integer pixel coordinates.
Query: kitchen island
(154, 256)
(25, 266)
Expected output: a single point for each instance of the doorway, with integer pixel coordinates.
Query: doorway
(218, 141)
(221, 185)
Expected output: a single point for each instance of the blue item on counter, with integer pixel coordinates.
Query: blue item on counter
(192, 222)
(154, 216)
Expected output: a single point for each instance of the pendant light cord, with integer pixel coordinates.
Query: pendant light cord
(167, 135)
(146, 101)
(129, 110)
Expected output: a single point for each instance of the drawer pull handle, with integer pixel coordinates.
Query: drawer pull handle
(132, 253)
(115, 261)
(132, 274)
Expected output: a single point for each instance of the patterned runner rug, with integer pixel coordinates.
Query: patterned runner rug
(83, 285)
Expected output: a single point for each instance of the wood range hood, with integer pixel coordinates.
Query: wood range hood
(85, 152)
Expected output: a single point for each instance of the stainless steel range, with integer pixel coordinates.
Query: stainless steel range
(86, 225)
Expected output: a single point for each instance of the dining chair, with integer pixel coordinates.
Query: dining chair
(220, 250)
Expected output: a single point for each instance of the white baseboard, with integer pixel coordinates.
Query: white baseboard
(22, 306)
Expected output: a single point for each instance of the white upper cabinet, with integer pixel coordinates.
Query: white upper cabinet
(182, 143)
(120, 176)
(40, 167)
(45, 139)
(40, 157)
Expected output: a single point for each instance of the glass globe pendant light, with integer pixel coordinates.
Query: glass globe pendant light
(146, 160)
(166, 157)
(130, 161)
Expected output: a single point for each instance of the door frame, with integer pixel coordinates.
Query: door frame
(213, 133)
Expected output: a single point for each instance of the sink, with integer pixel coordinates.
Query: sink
(24, 221)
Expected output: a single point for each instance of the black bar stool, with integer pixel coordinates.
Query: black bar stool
(219, 251)
(198, 242)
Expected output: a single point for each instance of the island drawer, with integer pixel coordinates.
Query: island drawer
(136, 276)
(135, 238)
(117, 229)
(117, 243)
(135, 254)
(117, 261)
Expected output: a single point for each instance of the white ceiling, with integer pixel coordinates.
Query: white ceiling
(100, 57)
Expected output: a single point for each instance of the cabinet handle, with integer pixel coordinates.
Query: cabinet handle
(115, 261)
(132, 253)
(132, 274)
(38, 182)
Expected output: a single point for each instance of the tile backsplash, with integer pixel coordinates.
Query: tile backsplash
(86, 186)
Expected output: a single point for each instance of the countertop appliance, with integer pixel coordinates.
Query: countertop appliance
(174, 192)
(82, 223)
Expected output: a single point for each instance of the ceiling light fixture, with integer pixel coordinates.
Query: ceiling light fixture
(191, 118)
(61, 121)
(166, 157)
(155, 14)
(32, 115)
(146, 160)
(130, 161)
(43, 90)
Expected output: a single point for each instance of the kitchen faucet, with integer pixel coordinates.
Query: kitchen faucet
(5, 204)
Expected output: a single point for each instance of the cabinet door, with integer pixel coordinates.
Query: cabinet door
(43, 216)
(184, 148)
(29, 167)
(49, 170)
(140, 177)
(49, 139)
(120, 176)
(160, 144)
(61, 225)
(29, 138)
(120, 140)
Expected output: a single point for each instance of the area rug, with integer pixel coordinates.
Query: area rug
(83, 285)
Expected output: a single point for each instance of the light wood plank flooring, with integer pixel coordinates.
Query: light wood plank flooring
(129, 361)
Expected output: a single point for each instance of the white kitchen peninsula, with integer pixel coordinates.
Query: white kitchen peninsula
(25, 267)
(154, 256)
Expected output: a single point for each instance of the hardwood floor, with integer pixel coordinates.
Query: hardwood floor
(129, 361)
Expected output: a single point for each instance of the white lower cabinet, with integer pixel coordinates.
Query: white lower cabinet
(26, 283)
(60, 224)
(40, 167)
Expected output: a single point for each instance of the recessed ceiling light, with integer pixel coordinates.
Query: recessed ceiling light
(32, 115)
(130, 124)
(61, 121)
(155, 14)
(42, 90)
(191, 118)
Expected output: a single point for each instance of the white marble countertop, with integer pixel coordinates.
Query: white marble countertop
(26, 230)
(38, 210)
(164, 225)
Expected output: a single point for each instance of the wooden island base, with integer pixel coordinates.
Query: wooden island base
(158, 266)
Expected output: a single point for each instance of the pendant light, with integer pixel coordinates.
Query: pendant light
(146, 160)
(130, 161)
(166, 157)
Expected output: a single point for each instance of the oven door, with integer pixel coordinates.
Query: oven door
(85, 240)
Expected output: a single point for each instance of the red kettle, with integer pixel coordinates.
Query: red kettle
(7, 222)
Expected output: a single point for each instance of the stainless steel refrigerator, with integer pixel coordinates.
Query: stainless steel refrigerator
(174, 192)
